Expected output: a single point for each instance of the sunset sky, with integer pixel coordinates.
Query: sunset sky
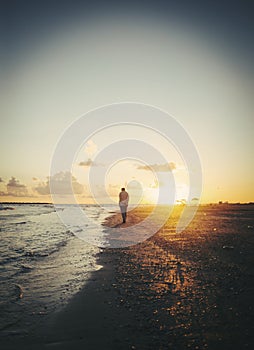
(194, 60)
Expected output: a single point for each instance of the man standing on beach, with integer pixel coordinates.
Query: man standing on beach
(123, 203)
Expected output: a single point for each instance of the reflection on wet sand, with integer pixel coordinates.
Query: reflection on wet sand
(186, 288)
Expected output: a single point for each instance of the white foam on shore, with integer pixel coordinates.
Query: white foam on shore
(44, 259)
(87, 227)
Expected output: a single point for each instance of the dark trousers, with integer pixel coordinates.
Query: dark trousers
(123, 212)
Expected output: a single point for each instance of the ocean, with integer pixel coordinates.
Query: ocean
(43, 264)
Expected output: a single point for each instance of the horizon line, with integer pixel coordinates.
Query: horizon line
(178, 204)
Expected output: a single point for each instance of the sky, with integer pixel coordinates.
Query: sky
(62, 59)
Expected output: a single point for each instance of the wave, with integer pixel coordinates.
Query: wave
(21, 254)
(19, 291)
(46, 252)
(11, 216)
(9, 259)
(23, 268)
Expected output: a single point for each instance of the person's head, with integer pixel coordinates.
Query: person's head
(122, 189)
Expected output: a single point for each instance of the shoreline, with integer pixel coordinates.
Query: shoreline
(174, 291)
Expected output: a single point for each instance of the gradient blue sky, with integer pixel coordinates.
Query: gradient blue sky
(193, 59)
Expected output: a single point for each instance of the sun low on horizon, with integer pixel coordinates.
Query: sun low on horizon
(126, 180)
(118, 157)
(179, 65)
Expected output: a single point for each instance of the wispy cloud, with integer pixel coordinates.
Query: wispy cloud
(158, 167)
(90, 148)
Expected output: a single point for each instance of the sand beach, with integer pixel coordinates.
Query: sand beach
(192, 290)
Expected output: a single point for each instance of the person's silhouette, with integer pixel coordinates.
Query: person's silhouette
(123, 203)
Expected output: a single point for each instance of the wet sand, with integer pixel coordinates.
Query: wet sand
(192, 290)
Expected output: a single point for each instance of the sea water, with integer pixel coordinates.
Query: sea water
(43, 263)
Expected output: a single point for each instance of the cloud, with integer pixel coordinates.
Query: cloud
(62, 183)
(158, 167)
(89, 163)
(1, 180)
(35, 179)
(15, 188)
(90, 148)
